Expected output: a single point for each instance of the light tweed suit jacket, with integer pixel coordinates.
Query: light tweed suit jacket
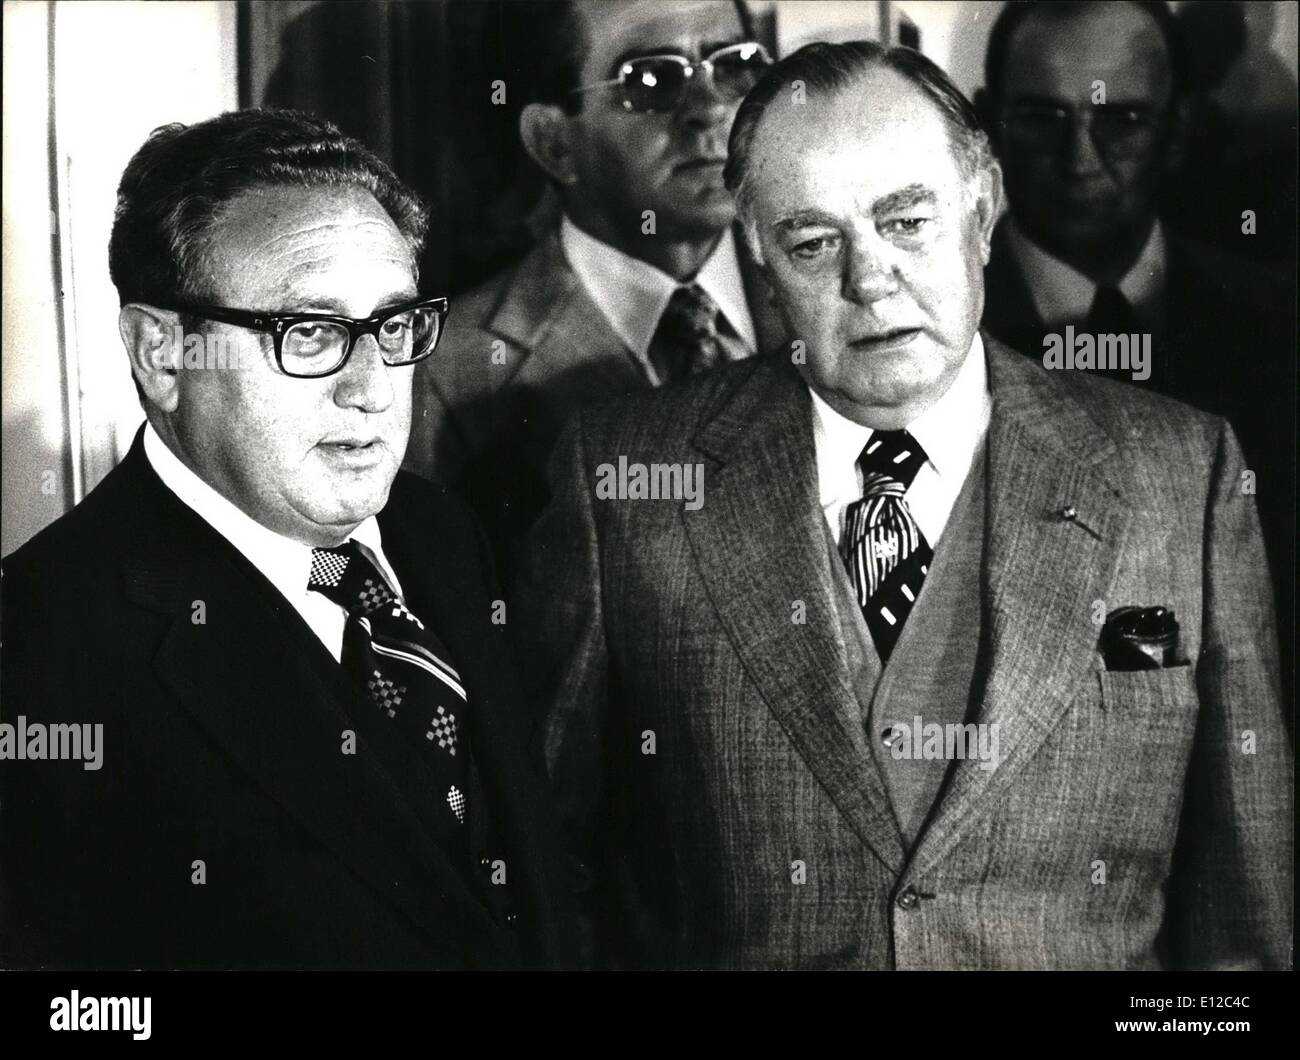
(654, 628)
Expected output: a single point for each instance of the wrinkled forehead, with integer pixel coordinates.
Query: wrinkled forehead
(273, 248)
(1062, 56)
(877, 135)
(617, 30)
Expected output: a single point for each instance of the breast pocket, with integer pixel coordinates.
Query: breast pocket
(1171, 690)
(1146, 727)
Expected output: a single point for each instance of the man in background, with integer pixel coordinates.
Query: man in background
(628, 106)
(1084, 102)
(305, 743)
(907, 529)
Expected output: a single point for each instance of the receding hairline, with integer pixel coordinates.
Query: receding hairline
(754, 161)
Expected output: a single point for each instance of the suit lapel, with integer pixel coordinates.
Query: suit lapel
(264, 688)
(1042, 574)
(547, 314)
(765, 481)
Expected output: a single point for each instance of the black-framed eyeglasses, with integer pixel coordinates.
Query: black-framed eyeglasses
(656, 84)
(312, 345)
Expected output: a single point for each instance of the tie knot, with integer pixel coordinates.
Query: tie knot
(347, 577)
(889, 462)
(691, 311)
(1111, 313)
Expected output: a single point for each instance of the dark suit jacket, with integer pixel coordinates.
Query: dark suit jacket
(223, 743)
(522, 353)
(652, 618)
(1229, 348)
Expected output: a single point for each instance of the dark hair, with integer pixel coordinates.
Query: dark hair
(833, 68)
(1015, 12)
(178, 182)
(546, 43)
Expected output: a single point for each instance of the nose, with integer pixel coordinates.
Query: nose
(1082, 158)
(869, 271)
(702, 106)
(364, 382)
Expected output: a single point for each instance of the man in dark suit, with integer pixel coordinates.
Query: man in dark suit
(903, 685)
(628, 105)
(1085, 106)
(307, 745)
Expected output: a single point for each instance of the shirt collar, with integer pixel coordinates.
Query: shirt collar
(286, 563)
(949, 431)
(632, 294)
(1063, 295)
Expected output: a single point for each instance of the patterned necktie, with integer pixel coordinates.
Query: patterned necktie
(402, 664)
(686, 339)
(883, 548)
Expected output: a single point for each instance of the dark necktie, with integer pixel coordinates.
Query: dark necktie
(1111, 314)
(686, 339)
(885, 552)
(403, 666)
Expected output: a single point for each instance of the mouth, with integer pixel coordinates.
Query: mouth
(885, 341)
(356, 452)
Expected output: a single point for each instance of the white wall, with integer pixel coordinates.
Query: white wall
(35, 484)
(120, 70)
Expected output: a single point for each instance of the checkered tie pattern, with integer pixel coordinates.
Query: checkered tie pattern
(402, 664)
(884, 550)
(686, 338)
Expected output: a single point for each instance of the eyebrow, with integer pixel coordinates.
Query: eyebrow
(805, 219)
(335, 307)
(1034, 100)
(905, 198)
(912, 195)
(707, 48)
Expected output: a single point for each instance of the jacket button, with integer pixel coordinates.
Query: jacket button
(908, 899)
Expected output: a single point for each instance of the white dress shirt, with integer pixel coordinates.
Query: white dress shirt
(284, 562)
(1063, 295)
(632, 294)
(950, 431)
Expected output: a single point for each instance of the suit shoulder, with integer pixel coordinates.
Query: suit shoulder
(76, 538)
(1129, 413)
(670, 414)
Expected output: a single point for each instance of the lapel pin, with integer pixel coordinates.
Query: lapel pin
(1070, 514)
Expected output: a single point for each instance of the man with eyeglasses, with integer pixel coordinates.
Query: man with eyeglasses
(626, 108)
(305, 741)
(1084, 106)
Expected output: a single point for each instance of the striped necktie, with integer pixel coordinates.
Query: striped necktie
(403, 666)
(884, 550)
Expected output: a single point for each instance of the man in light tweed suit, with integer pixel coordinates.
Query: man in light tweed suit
(907, 530)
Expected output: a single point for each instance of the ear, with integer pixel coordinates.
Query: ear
(548, 138)
(990, 204)
(154, 345)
